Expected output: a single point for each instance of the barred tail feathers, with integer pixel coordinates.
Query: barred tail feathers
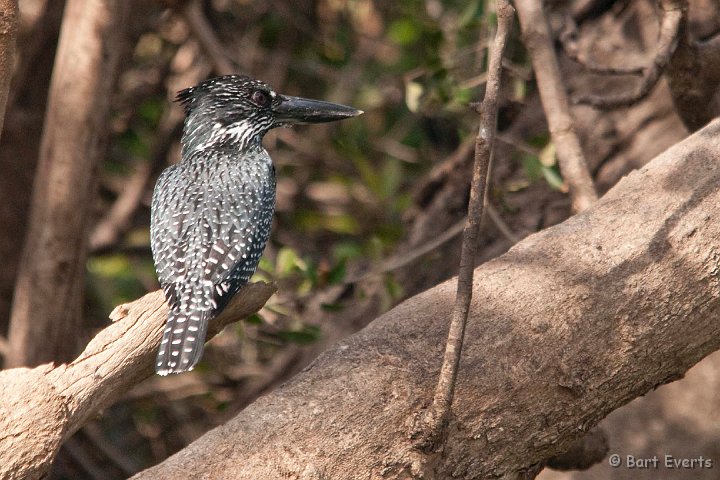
(183, 341)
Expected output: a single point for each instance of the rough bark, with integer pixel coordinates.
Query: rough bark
(49, 290)
(570, 324)
(42, 407)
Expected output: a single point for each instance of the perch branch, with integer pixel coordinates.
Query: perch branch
(42, 407)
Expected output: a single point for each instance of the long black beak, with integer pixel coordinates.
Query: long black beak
(303, 110)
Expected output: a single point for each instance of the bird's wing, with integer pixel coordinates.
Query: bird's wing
(169, 232)
(214, 238)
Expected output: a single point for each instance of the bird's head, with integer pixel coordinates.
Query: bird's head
(240, 110)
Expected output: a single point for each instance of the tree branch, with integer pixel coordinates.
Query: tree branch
(42, 407)
(434, 419)
(671, 32)
(194, 16)
(537, 39)
(570, 324)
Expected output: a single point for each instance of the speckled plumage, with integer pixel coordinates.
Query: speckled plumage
(211, 213)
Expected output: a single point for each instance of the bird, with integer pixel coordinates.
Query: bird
(211, 212)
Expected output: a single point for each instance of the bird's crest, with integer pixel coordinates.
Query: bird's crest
(184, 97)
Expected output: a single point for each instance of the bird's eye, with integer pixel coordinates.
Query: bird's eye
(260, 98)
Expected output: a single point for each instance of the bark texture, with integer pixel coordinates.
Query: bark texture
(42, 407)
(570, 324)
(48, 295)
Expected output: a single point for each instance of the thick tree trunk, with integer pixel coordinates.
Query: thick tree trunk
(48, 294)
(20, 141)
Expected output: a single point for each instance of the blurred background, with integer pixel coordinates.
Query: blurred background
(369, 211)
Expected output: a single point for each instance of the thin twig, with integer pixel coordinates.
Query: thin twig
(501, 225)
(119, 458)
(398, 261)
(440, 172)
(673, 15)
(108, 232)
(436, 416)
(205, 35)
(539, 43)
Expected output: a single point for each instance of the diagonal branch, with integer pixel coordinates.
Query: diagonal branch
(193, 14)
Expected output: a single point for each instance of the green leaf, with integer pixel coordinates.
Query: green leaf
(288, 261)
(532, 166)
(307, 334)
(332, 307)
(553, 178)
(547, 155)
(472, 13)
(279, 309)
(255, 319)
(337, 273)
(151, 110)
(519, 89)
(393, 288)
(404, 31)
(392, 173)
(462, 96)
(343, 251)
(413, 94)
